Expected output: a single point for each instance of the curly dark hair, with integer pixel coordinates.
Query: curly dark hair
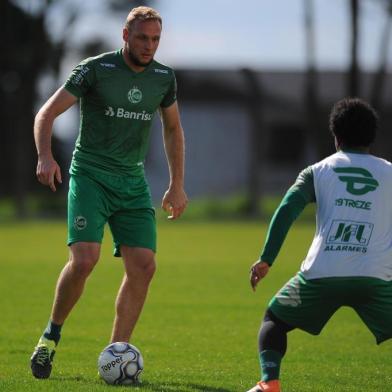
(353, 122)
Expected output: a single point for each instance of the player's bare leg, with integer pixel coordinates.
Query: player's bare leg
(139, 269)
(70, 284)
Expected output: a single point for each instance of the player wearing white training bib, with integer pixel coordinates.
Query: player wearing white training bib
(349, 262)
(354, 218)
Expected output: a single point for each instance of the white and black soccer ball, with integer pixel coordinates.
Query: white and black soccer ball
(120, 364)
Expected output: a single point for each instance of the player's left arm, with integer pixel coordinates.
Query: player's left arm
(175, 199)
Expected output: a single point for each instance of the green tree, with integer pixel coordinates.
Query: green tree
(379, 77)
(30, 53)
(23, 38)
(353, 87)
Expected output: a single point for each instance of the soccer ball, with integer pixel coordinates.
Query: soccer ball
(120, 363)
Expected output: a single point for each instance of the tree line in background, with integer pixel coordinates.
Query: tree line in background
(28, 52)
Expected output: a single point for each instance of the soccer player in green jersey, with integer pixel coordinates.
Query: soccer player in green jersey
(350, 260)
(119, 92)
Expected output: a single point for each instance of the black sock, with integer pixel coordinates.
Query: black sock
(272, 345)
(52, 332)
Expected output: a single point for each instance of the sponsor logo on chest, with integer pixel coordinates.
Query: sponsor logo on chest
(123, 113)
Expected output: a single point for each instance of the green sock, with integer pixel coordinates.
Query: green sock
(270, 365)
(52, 332)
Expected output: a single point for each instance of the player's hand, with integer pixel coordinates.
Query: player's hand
(48, 171)
(257, 272)
(174, 202)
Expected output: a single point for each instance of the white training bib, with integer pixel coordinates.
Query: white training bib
(354, 218)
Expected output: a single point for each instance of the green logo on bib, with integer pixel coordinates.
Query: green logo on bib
(358, 180)
(135, 95)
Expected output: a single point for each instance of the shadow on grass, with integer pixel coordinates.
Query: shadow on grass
(180, 387)
(148, 386)
(77, 378)
(198, 387)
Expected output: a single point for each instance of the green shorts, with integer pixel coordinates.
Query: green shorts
(123, 202)
(309, 304)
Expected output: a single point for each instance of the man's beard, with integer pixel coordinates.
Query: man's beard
(135, 60)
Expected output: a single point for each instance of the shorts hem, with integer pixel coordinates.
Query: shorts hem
(74, 241)
(117, 253)
(382, 339)
(293, 324)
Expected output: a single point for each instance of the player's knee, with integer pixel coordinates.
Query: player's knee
(82, 267)
(139, 262)
(83, 260)
(148, 267)
(273, 333)
(274, 322)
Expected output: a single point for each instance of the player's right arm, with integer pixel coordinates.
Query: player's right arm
(258, 271)
(47, 168)
(292, 204)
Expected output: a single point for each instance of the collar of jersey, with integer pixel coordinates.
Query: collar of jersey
(350, 151)
(125, 65)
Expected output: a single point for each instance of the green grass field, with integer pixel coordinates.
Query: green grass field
(199, 326)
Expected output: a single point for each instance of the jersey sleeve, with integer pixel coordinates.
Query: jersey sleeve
(295, 200)
(171, 95)
(81, 79)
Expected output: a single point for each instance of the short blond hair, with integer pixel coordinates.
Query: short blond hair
(142, 13)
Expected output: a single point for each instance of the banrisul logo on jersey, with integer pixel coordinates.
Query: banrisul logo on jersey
(134, 95)
(125, 114)
(349, 236)
(358, 181)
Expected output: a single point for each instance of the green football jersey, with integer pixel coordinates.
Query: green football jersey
(117, 106)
